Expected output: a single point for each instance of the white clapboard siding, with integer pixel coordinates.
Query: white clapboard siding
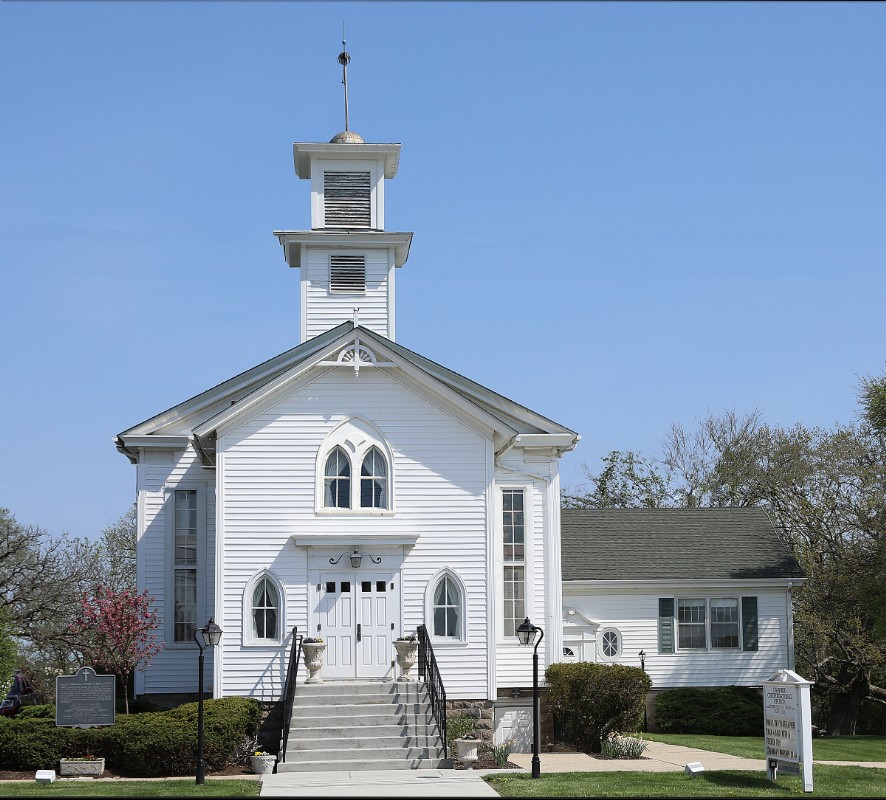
(635, 616)
(325, 309)
(267, 473)
(514, 661)
(174, 668)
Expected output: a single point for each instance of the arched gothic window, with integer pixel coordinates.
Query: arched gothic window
(265, 610)
(337, 480)
(355, 471)
(447, 603)
(374, 480)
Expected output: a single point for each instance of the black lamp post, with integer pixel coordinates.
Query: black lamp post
(526, 634)
(211, 635)
(642, 655)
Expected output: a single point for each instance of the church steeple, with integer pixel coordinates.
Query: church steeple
(347, 259)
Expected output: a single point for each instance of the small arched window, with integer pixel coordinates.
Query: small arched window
(447, 609)
(374, 480)
(265, 610)
(337, 480)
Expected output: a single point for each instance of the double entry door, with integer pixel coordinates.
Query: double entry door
(355, 613)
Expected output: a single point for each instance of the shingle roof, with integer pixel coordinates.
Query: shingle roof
(672, 543)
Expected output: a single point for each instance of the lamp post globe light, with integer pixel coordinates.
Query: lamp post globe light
(211, 635)
(526, 635)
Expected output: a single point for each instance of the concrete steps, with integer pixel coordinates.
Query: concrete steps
(371, 725)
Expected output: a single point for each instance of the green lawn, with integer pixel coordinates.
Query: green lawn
(173, 787)
(839, 748)
(828, 781)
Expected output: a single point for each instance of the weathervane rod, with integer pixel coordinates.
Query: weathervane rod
(344, 59)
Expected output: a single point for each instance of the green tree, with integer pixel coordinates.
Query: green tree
(627, 480)
(873, 402)
(8, 652)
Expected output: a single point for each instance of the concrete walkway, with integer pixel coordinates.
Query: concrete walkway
(659, 757)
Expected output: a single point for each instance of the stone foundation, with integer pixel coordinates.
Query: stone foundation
(480, 710)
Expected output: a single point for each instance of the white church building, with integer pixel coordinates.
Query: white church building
(253, 497)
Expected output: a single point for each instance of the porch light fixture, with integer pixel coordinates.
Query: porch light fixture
(356, 558)
(526, 635)
(210, 634)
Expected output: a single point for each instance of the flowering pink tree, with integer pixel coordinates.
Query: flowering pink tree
(118, 632)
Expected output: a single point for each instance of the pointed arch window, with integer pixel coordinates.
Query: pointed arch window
(374, 480)
(447, 609)
(337, 480)
(355, 471)
(265, 610)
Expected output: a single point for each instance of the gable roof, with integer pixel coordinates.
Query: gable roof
(672, 543)
(198, 417)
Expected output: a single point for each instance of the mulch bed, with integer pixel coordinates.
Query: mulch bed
(484, 762)
(234, 771)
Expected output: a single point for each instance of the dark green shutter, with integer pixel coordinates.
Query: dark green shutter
(666, 624)
(749, 623)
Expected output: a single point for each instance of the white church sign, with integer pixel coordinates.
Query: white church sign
(787, 712)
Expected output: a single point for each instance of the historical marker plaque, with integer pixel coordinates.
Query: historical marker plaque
(85, 699)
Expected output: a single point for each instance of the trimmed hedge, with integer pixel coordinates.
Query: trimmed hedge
(155, 744)
(721, 711)
(597, 699)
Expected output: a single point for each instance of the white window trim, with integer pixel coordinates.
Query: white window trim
(356, 436)
(169, 593)
(445, 641)
(619, 638)
(708, 648)
(248, 639)
(527, 488)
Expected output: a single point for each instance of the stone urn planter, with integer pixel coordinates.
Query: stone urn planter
(313, 658)
(81, 766)
(407, 649)
(468, 751)
(263, 764)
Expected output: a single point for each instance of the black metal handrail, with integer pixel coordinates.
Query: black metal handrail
(427, 669)
(289, 690)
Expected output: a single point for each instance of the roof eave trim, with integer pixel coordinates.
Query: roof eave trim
(681, 583)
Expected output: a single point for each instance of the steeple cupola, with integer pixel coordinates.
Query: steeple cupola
(347, 259)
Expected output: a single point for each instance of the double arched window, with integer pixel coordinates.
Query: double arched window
(355, 469)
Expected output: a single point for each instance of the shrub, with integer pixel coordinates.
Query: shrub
(598, 700)
(152, 744)
(617, 746)
(721, 711)
(45, 711)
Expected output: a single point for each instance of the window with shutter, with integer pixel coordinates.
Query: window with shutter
(749, 623)
(347, 274)
(346, 197)
(665, 624)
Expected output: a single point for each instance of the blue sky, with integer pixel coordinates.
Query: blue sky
(625, 214)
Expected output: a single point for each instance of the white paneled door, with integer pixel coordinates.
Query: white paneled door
(356, 612)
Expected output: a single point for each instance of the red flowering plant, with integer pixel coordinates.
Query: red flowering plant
(117, 630)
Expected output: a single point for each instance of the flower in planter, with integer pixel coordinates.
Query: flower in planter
(88, 757)
(411, 638)
(312, 640)
(261, 753)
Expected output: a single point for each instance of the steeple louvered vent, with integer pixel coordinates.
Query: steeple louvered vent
(347, 199)
(347, 274)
